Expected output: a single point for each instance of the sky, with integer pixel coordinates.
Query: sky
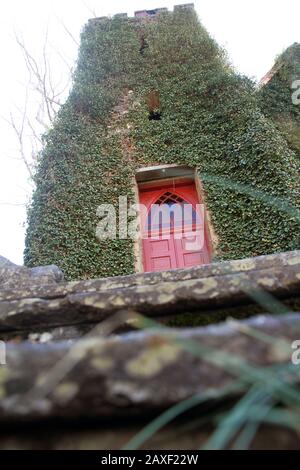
(253, 33)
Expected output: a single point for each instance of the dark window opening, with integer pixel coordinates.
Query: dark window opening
(154, 116)
(151, 12)
(144, 45)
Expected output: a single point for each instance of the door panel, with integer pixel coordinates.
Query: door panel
(191, 250)
(159, 255)
(176, 249)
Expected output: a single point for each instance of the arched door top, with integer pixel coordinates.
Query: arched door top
(171, 212)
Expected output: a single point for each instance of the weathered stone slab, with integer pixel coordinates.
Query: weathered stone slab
(141, 372)
(156, 300)
(38, 309)
(13, 276)
(278, 260)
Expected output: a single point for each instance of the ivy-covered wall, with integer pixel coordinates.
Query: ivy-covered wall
(276, 97)
(210, 118)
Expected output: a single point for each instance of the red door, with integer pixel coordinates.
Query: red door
(173, 228)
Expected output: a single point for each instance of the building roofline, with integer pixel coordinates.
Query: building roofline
(145, 14)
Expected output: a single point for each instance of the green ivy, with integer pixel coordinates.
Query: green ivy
(211, 118)
(276, 96)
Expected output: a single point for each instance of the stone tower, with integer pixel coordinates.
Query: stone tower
(154, 97)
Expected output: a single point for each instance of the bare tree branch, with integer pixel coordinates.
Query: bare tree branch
(91, 10)
(43, 95)
(19, 132)
(12, 204)
(41, 79)
(68, 31)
